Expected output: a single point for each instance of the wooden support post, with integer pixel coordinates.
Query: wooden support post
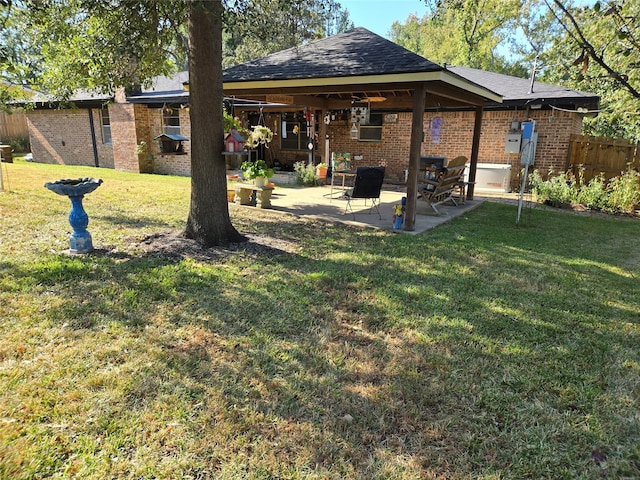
(475, 148)
(417, 124)
(323, 138)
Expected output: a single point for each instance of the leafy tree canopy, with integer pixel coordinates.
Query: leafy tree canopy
(255, 28)
(63, 45)
(599, 51)
(462, 32)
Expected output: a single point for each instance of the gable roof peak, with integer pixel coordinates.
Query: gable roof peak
(355, 52)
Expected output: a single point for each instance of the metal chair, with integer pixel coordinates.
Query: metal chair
(367, 185)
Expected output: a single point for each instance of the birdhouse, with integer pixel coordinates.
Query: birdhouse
(171, 143)
(234, 141)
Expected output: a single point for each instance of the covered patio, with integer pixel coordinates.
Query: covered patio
(319, 203)
(361, 68)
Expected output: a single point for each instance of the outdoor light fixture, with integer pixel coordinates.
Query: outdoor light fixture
(354, 132)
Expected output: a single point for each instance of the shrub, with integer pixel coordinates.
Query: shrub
(20, 145)
(623, 193)
(620, 195)
(305, 174)
(558, 190)
(593, 195)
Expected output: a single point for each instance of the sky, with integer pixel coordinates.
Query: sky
(378, 15)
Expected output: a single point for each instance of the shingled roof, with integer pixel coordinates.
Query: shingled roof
(353, 53)
(357, 64)
(517, 91)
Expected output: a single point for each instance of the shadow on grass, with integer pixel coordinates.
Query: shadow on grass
(128, 220)
(454, 354)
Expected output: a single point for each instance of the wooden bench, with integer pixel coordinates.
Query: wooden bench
(247, 194)
(441, 189)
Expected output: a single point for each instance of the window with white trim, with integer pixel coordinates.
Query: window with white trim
(106, 126)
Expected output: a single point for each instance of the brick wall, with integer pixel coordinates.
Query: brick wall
(455, 136)
(143, 134)
(125, 140)
(64, 137)
(169, 164)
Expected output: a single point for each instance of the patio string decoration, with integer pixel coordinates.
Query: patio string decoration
(80, 240)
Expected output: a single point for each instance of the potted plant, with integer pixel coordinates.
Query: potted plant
(321, 172)
(257, 171)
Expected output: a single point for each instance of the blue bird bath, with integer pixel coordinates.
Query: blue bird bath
(76, 189)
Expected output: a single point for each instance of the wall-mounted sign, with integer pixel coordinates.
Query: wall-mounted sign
(391, 118)
(275, 98)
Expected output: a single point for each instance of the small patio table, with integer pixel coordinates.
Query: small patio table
(344, 174)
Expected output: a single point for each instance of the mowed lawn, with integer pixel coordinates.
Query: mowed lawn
(478, 350)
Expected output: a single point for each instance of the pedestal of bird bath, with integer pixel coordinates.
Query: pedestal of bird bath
(76, 189)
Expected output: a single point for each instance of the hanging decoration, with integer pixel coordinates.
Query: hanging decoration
(435, 127)
(261, 135)
(354, 132)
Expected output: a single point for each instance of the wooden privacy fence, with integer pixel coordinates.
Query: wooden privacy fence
(13, 125)
(595, 155)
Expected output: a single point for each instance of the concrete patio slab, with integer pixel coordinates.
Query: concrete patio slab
(320, 203)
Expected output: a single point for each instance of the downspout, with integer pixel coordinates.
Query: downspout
(96, 161)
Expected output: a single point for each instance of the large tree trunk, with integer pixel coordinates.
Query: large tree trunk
(208, 223)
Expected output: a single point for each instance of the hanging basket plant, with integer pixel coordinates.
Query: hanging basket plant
(261, 135)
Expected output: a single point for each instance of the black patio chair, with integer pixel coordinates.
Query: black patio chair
(367, 185)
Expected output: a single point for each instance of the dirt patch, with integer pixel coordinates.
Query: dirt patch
(173, 243)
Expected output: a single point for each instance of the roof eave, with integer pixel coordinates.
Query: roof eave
(280, 85)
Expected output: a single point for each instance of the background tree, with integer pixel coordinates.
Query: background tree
(255, 28)
(462, 32)
(599, 51)
(536, 30)
(17, 60)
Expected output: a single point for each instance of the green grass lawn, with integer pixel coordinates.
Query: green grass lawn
(479, 350)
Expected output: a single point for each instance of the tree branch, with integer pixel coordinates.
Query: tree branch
(581, 40)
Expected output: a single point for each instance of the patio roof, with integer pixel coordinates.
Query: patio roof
(520, 92)
(356, 65)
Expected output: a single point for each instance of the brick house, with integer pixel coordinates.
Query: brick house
(112, 131)
(314, 89)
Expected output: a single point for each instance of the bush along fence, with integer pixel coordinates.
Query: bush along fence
(591, 157)
(618, 195)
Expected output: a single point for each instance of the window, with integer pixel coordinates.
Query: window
(171, 121)
(372, 131)
(294, 133)
(106, 126)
